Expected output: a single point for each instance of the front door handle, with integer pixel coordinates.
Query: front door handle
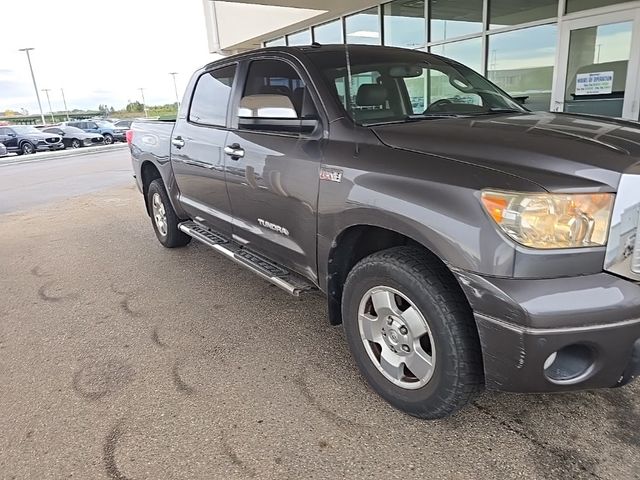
(235, 151)
(177, 142)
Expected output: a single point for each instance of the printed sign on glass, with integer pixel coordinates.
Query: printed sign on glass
(597, 83)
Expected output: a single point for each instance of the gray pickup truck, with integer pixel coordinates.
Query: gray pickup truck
(463, 241)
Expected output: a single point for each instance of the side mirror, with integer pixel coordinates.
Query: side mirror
(62, 134)
(272, 113)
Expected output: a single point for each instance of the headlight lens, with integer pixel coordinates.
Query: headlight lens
(551, 220)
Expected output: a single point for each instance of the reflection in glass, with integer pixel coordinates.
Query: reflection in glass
(578, 5)
(454, 18)
(328, 33)
(467, 52)
(276, 42)
(363, 27)
(521, 63)
(503, 13)
(597, 69)
(299, 38)
(404, 23)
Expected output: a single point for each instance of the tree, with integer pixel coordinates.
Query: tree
(135, 107)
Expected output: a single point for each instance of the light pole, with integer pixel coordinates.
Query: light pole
(46, 91)
(64, 100)
(33, 77)
(144, 104)
(175, 87)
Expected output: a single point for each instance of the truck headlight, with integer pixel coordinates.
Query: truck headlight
(548, 220)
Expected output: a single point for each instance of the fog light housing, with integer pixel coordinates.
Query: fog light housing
(570, 365)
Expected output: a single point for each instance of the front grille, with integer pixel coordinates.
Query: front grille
(623, 247)
(52, 140)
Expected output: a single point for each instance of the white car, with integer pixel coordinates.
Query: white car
(3, 150)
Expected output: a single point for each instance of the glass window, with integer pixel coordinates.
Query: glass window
(279, 80)
(277, 42)
(454, 18)
(404, 23)
(299, 38)
(211, 97)
(578, 5)
(597, 69)
(467, 52)
(521, 63)
(363, 27)
(407, 85)
(503, 13)
(328, 33)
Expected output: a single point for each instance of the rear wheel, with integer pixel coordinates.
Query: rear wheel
(412, 332)
(163, 217)
(108, 139)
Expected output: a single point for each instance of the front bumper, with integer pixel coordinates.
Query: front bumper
(590, 325)
(49, 146)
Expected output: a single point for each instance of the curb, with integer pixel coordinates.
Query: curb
(44, 156)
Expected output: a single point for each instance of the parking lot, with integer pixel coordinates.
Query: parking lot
(121, 359)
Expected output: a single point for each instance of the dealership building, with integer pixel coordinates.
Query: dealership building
(562, 55)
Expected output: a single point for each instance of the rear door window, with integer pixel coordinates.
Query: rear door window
(211, 97)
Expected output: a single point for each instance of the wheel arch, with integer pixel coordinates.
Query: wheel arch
(148, 173)
(357, 241)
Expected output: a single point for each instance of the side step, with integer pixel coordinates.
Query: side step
(265, 268)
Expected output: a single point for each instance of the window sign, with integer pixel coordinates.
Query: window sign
(597, 83)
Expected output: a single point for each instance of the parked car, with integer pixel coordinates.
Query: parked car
(467, 244)
(106, 129)
(3, 150)
(123, 124)
(24, 139)
(73, 137)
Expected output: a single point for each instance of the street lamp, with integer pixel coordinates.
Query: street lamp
(33, 77)
(64, 100)
(175, 87)
(144, 103)
(46, 91)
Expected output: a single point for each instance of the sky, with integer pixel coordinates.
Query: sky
(99, 52)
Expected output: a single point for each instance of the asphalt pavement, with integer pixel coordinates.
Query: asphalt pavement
(120, 359)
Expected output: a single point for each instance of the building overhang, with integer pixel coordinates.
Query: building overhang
(236, 26)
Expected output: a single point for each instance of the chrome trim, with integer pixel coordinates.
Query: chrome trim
(278, 282)
(623, 247)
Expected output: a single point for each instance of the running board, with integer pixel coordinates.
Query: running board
(261, 266)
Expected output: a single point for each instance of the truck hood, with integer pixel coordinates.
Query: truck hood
(559, 152)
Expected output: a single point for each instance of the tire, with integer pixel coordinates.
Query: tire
(108, 139)
(409, 278)
(27, 148)
(167, 228)
(75, 143)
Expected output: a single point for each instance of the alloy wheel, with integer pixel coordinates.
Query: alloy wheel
(397, 337)
(159, 214)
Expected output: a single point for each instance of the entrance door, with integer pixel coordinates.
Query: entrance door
(599, 65)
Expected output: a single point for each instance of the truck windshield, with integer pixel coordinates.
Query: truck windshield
(386, 86)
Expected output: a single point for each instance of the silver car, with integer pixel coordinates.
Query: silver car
(3, 150)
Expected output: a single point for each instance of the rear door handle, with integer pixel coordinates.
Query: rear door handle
(235, 151)
(177, 142)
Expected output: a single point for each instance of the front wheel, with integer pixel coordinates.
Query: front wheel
(108, 139)
(27, 148)
(75, 143)
(412, 332)
(163, 217)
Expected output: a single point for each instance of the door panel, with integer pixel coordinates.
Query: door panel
(197, 145)
(274, 191)
(198, 168)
